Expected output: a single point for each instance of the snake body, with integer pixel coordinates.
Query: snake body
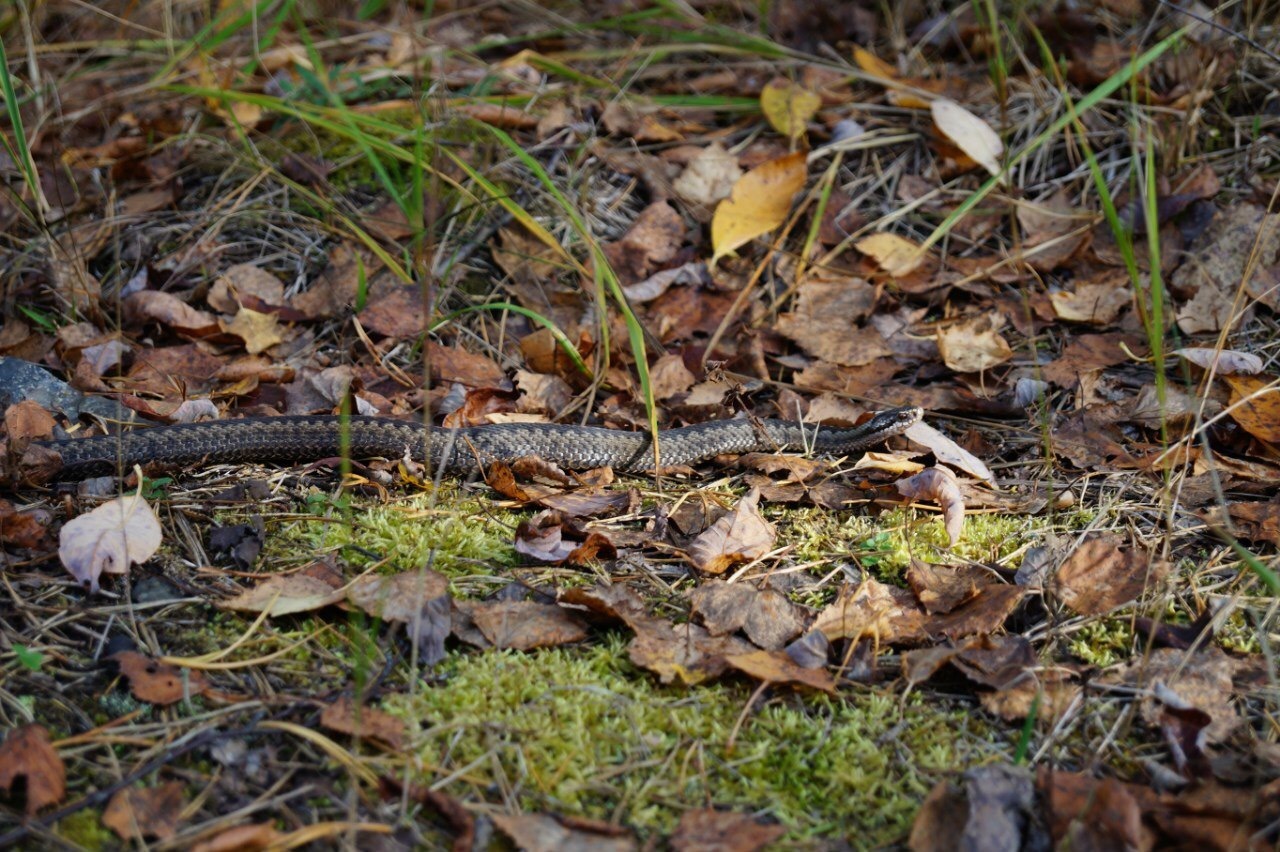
(309, 438)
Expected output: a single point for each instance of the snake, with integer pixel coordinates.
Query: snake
(308, 438)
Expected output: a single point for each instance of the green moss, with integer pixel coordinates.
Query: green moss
(581, 731)
(458, 536)
(1104, 642)
(84, 830)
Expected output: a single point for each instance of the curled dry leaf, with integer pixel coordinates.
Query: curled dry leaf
(759, 203)
(28, 754)
(939, 485)
(774, 667)
(110, 539)
(969, 133)
(1222, 361)
(740, 536)
(949, 452)
(788, 106)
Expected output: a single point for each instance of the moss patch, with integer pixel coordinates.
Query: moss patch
(583, 732)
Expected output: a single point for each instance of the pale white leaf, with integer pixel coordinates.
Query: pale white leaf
(969, 133)
(110, 538)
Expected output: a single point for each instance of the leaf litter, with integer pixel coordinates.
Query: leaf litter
(766, 218)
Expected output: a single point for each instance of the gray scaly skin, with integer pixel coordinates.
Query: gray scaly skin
(304, 439)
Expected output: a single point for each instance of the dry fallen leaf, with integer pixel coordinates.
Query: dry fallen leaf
(259, 331)
(740, 536)
(969, 133)
(364, 721)
(27, 754)
(788, 106)
(158, 683)
(975, 344)
(145, 812)
(938, 485)
(1222, 361)
(896, 255)
(709, 830)
(709, 177)
(1105, 572)
(285, 595)
(545, 833)
(110, 539)
(1255, 405)
(759, 203)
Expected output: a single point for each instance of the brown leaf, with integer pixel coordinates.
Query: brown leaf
(22, 529)
(740, 536)
(170, 311)
(285, 595)
(943, 588)
(709, 177)
(361, 720)
(398, 313)
(525, 625)
(767, 617)
(240, 280)
(449, 364)
(27, 753)
(681, 652)
(651, 243)
(546, 537)
(872, 610)
(1088, 813)
(823, 321)
(669, 376)
(1202, 680)
(110, 538)
(993, 807)
(28, 421)
(775, 667)
(399, 597)
(1087, 352)
(158, 683)
(146, 812)
(708, 830)
(543, 833)
(334, 290)
(999, 662)
(974, 344)
(1104, 572)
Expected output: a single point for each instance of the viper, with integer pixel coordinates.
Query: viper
(308, 438)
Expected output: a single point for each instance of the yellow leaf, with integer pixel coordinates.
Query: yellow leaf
(259, 331)
(894, 254)
(759, 203)
(788, 106)
(969, 133)
(872, 64)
